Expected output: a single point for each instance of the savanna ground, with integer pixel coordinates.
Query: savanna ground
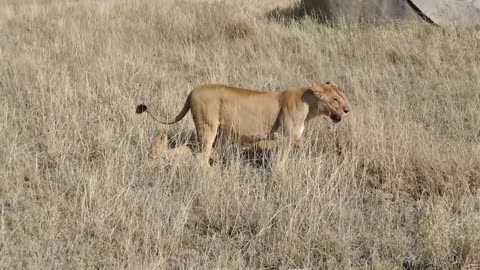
(396, 184)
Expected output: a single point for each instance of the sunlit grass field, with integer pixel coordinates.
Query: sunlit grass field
(395, 184)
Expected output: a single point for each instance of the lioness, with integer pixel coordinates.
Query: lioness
(252, 116)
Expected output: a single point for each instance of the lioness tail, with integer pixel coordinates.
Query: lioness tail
(143, 108)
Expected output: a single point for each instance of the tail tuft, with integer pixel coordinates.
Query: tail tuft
(141, 108)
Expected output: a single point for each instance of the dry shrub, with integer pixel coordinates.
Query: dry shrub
(239, 30)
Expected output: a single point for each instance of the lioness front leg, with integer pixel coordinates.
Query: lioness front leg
(275, 140)
(291, 132)
(298, 142)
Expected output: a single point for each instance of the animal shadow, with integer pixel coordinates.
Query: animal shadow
(184, 143)
(294, 12)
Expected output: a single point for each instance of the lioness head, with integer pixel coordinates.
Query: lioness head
(329, 100)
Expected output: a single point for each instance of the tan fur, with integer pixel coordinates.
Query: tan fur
(160, 147)
(175, 145)
(257, 117)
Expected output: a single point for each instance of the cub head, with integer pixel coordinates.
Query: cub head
(328, 99)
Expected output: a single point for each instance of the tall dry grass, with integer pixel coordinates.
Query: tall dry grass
(394, 185)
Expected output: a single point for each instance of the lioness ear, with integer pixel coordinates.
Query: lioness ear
(331, 83)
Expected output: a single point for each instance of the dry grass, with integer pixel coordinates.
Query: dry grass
(77, 191)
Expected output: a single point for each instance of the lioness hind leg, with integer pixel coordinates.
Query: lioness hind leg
(264, 145)
(206, 134)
